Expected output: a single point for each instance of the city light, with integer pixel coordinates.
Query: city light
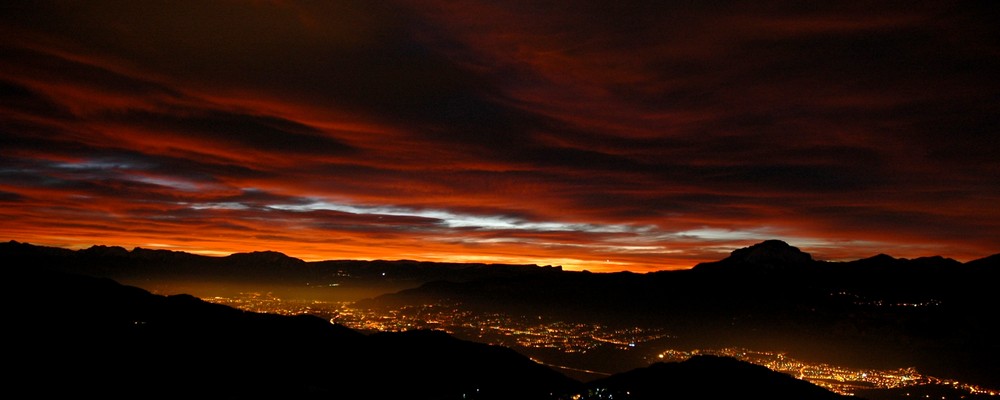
(536, 331)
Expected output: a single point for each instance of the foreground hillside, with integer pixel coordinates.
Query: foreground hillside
(84, 336)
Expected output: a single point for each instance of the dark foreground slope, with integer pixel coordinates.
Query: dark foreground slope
(86, 337)
(706, 377)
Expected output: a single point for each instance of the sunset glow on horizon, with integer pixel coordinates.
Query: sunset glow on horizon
(595, 136)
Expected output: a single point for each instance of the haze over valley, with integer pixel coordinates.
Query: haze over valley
(875, 324)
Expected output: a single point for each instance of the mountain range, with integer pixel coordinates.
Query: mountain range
(82, 336)
(259, 270)
(934, 313)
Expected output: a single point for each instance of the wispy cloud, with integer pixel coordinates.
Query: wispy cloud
(597, 135)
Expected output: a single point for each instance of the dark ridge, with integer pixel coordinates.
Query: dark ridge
(985, 262)
(92, 337)
(935, 262)
(767, 256)
(879, 259)
(105, 251)
(272, 258)
(262, 266)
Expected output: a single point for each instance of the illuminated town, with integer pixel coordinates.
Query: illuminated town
(492, 328)
(541, 332)
(836, 379)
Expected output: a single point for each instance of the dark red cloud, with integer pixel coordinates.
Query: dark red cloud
(624, 135)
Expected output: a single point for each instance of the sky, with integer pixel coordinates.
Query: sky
(599, 135)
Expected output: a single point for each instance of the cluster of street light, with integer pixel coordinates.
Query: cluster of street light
(542, 332)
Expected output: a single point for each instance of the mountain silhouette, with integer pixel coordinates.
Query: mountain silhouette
(272, 259)
(928, 312)
(259, 267)
(769, 255)
(706, 377)
(985, 262)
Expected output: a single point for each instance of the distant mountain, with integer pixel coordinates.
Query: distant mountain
(780, 260)
(985, 262)
(267, 267)
(769, 255)
(705, 377)
(90, 337)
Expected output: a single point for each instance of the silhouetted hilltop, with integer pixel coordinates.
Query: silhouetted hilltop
(781, 260)
(90, 337)
(769, 255)
(265, 259)
(985, 262)
(879, 260)
(706, 377)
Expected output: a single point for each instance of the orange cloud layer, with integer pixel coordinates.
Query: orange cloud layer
(597, 136)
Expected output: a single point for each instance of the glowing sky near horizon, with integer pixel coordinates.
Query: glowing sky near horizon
(594, 135)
